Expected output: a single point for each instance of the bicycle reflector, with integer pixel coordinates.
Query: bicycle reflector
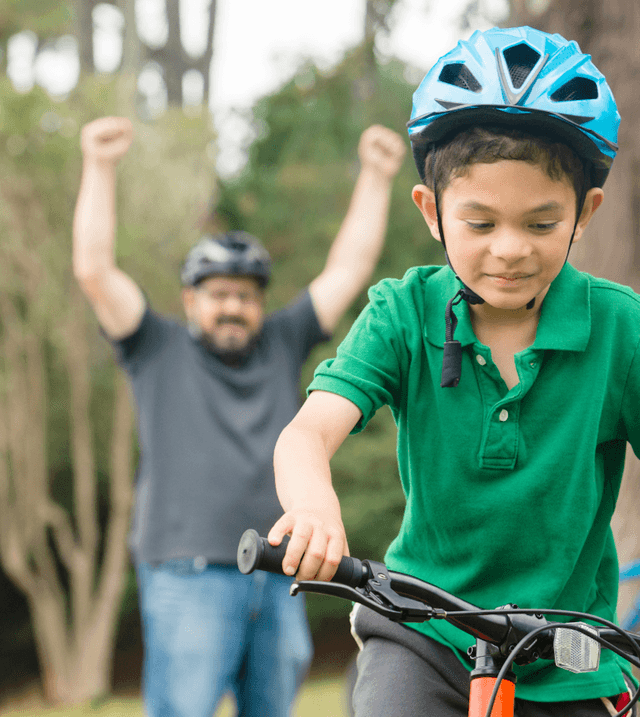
(575, 651)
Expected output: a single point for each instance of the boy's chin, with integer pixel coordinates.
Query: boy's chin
(510, 304)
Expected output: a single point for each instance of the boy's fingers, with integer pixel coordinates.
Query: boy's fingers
(298, 546)
(334, 553)
(299, 533)
(283, 526)
(314, 556)
(314, 550)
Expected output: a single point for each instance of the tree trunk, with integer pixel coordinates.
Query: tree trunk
(83, 29)
(204, 63)
(73, 591)
(131, 52)
(174, 56)
(609, 32)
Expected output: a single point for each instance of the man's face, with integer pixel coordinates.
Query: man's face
(228, 311)
(507, 228)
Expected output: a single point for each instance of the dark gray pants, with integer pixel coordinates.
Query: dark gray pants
(406, 674)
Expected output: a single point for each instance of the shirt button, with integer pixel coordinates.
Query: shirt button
(533, 364)
(481, 360)
(504, 414)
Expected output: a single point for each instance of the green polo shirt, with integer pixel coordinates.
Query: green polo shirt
(509, 493)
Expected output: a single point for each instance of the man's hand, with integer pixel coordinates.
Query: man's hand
(106, 139)
(381, 149)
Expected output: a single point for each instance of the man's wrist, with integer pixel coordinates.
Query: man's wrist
(377, 176)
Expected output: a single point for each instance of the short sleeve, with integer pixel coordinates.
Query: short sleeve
(299, 326)
(146, 341)
(631, 404)
(367, 366)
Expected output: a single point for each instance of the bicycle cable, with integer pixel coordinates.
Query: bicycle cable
(554, 626)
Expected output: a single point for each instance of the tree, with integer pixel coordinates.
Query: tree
(66, 443)
(176, 61)
(608, 31)
(71, 576)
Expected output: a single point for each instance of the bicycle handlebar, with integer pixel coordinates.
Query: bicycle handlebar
(256, 553)
(404, 598)
(399, 597)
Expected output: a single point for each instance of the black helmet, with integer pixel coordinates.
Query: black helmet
(235, 253)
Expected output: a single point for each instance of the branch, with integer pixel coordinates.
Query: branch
(115, 558)
(84, 471)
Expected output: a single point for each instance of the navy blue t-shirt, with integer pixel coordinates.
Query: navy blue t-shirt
(207, 432)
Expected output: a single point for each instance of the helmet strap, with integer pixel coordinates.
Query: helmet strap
(580, 206)
(452, 358)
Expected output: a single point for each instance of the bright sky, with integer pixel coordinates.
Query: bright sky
(258, 46)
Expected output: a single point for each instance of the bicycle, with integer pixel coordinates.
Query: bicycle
(504, 636)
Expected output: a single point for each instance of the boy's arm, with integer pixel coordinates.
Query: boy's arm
(356, 249)
(303, 480)
(116, 299)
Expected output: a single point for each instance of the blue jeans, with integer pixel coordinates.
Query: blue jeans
(208, 630)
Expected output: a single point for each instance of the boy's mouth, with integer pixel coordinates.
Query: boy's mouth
(508, 278)
(518, 275)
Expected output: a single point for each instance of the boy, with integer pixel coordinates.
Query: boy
(512, 432)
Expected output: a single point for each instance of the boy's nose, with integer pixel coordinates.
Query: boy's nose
(510, 246)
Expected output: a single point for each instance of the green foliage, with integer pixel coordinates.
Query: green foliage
(47, 18)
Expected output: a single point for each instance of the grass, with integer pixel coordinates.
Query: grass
(319, 697)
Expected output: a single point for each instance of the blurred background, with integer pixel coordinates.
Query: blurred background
(247, 116)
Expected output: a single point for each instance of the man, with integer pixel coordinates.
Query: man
(212, 399)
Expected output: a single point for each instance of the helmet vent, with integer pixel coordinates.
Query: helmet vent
(578, 88)
(459, 75)
(520, 59)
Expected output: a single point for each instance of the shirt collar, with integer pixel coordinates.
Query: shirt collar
(565, 318)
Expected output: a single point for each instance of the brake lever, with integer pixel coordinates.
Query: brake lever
(376, 594)
(347, 593)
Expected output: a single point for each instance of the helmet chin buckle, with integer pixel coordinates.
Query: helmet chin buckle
(452, 356)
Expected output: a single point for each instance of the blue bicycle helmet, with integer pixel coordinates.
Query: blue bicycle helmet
(235, 253)
(522, 78)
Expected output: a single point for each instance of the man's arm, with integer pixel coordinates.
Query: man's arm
(303, 481)
(116, 299)
(357, 247)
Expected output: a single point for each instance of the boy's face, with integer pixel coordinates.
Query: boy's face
(507, 228)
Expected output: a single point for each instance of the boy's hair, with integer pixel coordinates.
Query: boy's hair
(492, 143)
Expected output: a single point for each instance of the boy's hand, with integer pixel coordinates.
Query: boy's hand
(316, 547)
(381, 149)
(106, 139)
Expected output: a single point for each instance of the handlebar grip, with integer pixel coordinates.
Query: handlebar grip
(256, 553)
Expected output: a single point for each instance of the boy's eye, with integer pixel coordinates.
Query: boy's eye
(479, 226)
(545, 226)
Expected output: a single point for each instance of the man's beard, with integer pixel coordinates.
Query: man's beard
(230, 355)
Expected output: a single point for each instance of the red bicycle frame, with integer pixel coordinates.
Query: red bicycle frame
(480, 696)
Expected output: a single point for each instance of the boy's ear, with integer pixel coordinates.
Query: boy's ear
(592, 201)
(425, 200)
